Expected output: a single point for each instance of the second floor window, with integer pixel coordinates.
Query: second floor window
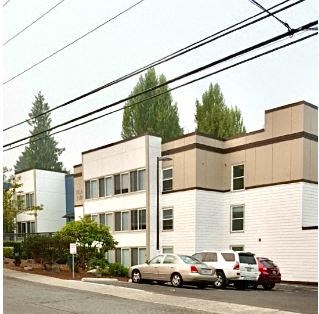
(167, 179)
(137, 180)
(121, 183)
(238, 177)
(91, 189)
(122, 221)
(168, 219)
(105, 186)
(138, 219)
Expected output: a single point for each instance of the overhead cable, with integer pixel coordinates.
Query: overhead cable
(6, 3)
(167, 91)
(36, 20)
(167, 58)
(197, 70)
(73, 42)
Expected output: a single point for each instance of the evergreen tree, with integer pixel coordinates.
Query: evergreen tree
(157, 116)
(214, 118)
(42, 151)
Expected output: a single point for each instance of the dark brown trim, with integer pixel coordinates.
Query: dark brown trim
(310, 228)
(76, 175)
(302, 102)
(78, 205)
(76, 166)
(279, 183)
(270, 141)
(246, 188)
(18, 172)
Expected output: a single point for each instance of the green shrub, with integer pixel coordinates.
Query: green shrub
(8, 251)
(101, 262)
(117, 269)
(16, 245)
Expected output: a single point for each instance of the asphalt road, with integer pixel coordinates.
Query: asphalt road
(28, 293)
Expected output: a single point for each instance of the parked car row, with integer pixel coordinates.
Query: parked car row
(216, 268)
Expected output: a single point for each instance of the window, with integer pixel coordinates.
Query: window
(199, 256)
(138, 219)
(247, 258)
(228, 257)
(210, 257)
(29, 200)
(167, 249)
(121, 221)
(121, 183)
(237, 218)
(125, 257)
(91, 189)
(238, 177)
(167, 179)
(237, 247)
(105, 186)
(109, 220)
(102, 219)
(95, 218)
(26, 227)
(157, 260)
(138, 256)
(21, 201)
(170, 259)
(168, 219)
(137, 180)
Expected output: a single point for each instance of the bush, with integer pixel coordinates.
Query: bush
(100, 262)
(116, 269)
(16, 245)
(8, 251)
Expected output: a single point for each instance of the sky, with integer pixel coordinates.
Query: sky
(147, 32)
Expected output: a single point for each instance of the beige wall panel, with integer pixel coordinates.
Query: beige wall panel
(314, 161)
(235, 142)
(307, 159)
(250, 167)
(297, 159)
(229, 160)
(209, 141)
(269, 124)
(179, 170)
(311, 120)
(190, 166)
(201, 168)
(264, 165)
(78, 191)
(281, 162)
(257, 137)
(297, 119)
(281, 124)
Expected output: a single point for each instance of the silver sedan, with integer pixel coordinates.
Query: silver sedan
(176, 268)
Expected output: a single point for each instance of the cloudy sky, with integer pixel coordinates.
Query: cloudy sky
(147, 32)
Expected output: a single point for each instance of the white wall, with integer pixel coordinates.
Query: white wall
(310, 205)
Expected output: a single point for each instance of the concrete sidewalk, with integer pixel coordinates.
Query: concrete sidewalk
(144, 296)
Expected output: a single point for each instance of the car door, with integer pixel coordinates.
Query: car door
(167, 267)
(150, 270)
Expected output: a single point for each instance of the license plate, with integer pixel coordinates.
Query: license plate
(248, 269)
(206, 271)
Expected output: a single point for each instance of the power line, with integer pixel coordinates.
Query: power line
(174, 88)
(73, 42)
(6, 3)
(197, 70)
(278, 19)
(36, 20)
(167, 58)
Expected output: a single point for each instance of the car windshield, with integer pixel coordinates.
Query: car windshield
(268, 263)
(189, 259)
(247, 258)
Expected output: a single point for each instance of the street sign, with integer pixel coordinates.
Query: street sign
(72, 248)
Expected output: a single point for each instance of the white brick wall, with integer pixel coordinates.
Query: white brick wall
(310, 205)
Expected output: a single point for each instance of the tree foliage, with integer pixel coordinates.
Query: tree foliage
(214, 118)
(90, 237)
(42, 151)
(157, 116)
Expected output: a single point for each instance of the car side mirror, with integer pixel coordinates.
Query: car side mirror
(147, 261)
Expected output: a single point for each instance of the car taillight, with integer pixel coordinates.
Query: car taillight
(194, 269)
(236, 266)
(264, 270)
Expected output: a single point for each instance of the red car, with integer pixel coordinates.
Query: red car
(269, 273)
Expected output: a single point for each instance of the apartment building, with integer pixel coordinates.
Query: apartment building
(41, 187)
(257, 192)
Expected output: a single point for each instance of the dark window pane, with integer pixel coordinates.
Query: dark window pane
(133, 181)
(118, 255)
(167, 173)
(117, 221)
(237, 248)
(167, 213)
(108, 183)
(198, 256)
(210, 257)
(170, 259)
(141, 180)
(102, 219)
(101, 187)
(134, 220)
(134, 256)
(142, 219)
(87, 190)
(28, 227)
(117, 184)
(238, 212)
(238, 184)
(125, 182)
(247, 258)
(168, 224)
(238, 225)
(167, 185)
(228, 257)
(238, 171)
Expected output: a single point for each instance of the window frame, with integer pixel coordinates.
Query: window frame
(90, 196)
(121, 212)
(234, 178)
(231, 218)
(231, 247)
(139, 223)
(164, 209)
(105, 178)
(167, 179)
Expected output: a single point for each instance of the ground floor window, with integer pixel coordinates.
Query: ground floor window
(167, 249)
(130, 256)
(26, 227)
(237, 247)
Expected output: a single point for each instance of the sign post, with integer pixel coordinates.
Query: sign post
(73, 251)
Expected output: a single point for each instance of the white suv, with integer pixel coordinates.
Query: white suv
(240, 268)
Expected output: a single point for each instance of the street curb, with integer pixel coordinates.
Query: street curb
(98, 280)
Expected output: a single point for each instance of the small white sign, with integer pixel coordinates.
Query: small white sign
(72, 248)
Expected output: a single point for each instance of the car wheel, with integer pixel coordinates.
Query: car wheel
(176, 280)
(202, 285)
(136, 276)
(268, 286)
(220, 283)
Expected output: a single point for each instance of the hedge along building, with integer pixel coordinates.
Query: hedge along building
(256, 192)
